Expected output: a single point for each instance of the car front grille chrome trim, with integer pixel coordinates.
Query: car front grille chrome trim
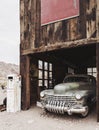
(59, 104)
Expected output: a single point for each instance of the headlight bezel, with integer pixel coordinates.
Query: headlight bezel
(42, 94)
(78, 97)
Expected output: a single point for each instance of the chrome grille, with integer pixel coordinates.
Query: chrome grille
(66, 99)
(59, 103)
(57, 100)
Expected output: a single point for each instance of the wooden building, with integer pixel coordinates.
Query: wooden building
(49, 52)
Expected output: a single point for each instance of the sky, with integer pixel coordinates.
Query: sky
(9, 31)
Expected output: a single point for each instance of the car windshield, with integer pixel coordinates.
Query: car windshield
(75, 79)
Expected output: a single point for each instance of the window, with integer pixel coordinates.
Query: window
(92, 71)
(70, 70)
(40, 64)
(45, 74)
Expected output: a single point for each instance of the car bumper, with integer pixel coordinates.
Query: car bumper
(69, 110)
(78, 110)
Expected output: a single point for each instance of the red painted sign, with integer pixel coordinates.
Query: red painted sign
(56, 10)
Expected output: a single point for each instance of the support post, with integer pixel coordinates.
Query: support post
(97, 90)
(24, 71)
(97, 60)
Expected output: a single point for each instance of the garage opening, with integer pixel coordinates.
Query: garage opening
(51, 67)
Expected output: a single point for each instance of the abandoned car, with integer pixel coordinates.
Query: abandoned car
(76, 94)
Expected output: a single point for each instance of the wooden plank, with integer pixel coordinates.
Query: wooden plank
(32, 23)
(97, 90)
(21, 23)
(24, 71)
(74, 32)
(82, 20)
(38, 23)
(97, 59)
(91, 18)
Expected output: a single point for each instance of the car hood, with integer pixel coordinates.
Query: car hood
(71, 89)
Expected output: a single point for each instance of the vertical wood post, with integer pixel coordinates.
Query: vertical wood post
(24, 71)
(97, 58)
(97, 90)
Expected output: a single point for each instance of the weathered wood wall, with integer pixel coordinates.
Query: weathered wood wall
(33, 35)
(29, 37)
(91, 18)
(83, 26)
(29, 23)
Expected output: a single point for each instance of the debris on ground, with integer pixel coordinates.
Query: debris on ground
(2, 108)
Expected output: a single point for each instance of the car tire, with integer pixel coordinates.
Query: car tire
(85, 114)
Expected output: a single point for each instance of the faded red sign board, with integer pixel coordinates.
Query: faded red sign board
(56, 10)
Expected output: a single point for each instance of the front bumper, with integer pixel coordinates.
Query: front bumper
(69, 110)
(77, 110)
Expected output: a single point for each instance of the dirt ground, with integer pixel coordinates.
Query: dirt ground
(36, 119)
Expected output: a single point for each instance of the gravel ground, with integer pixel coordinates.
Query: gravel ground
(36, 119)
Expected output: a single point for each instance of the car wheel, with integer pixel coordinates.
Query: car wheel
(85, 113)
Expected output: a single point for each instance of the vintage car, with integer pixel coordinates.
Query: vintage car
(75, 95)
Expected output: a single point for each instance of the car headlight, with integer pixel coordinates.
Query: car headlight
(78, 96)
(42, 94)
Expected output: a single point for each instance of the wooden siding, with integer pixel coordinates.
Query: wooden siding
(91, 18)
(65, 30)
(30, 23)
(35, 36)
(72, 29)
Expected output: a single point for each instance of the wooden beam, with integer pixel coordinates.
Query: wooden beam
(61, 45)
(97, 59)
(24, 71)
(97, 90)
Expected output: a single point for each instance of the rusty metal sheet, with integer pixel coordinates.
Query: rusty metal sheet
(57, 10)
